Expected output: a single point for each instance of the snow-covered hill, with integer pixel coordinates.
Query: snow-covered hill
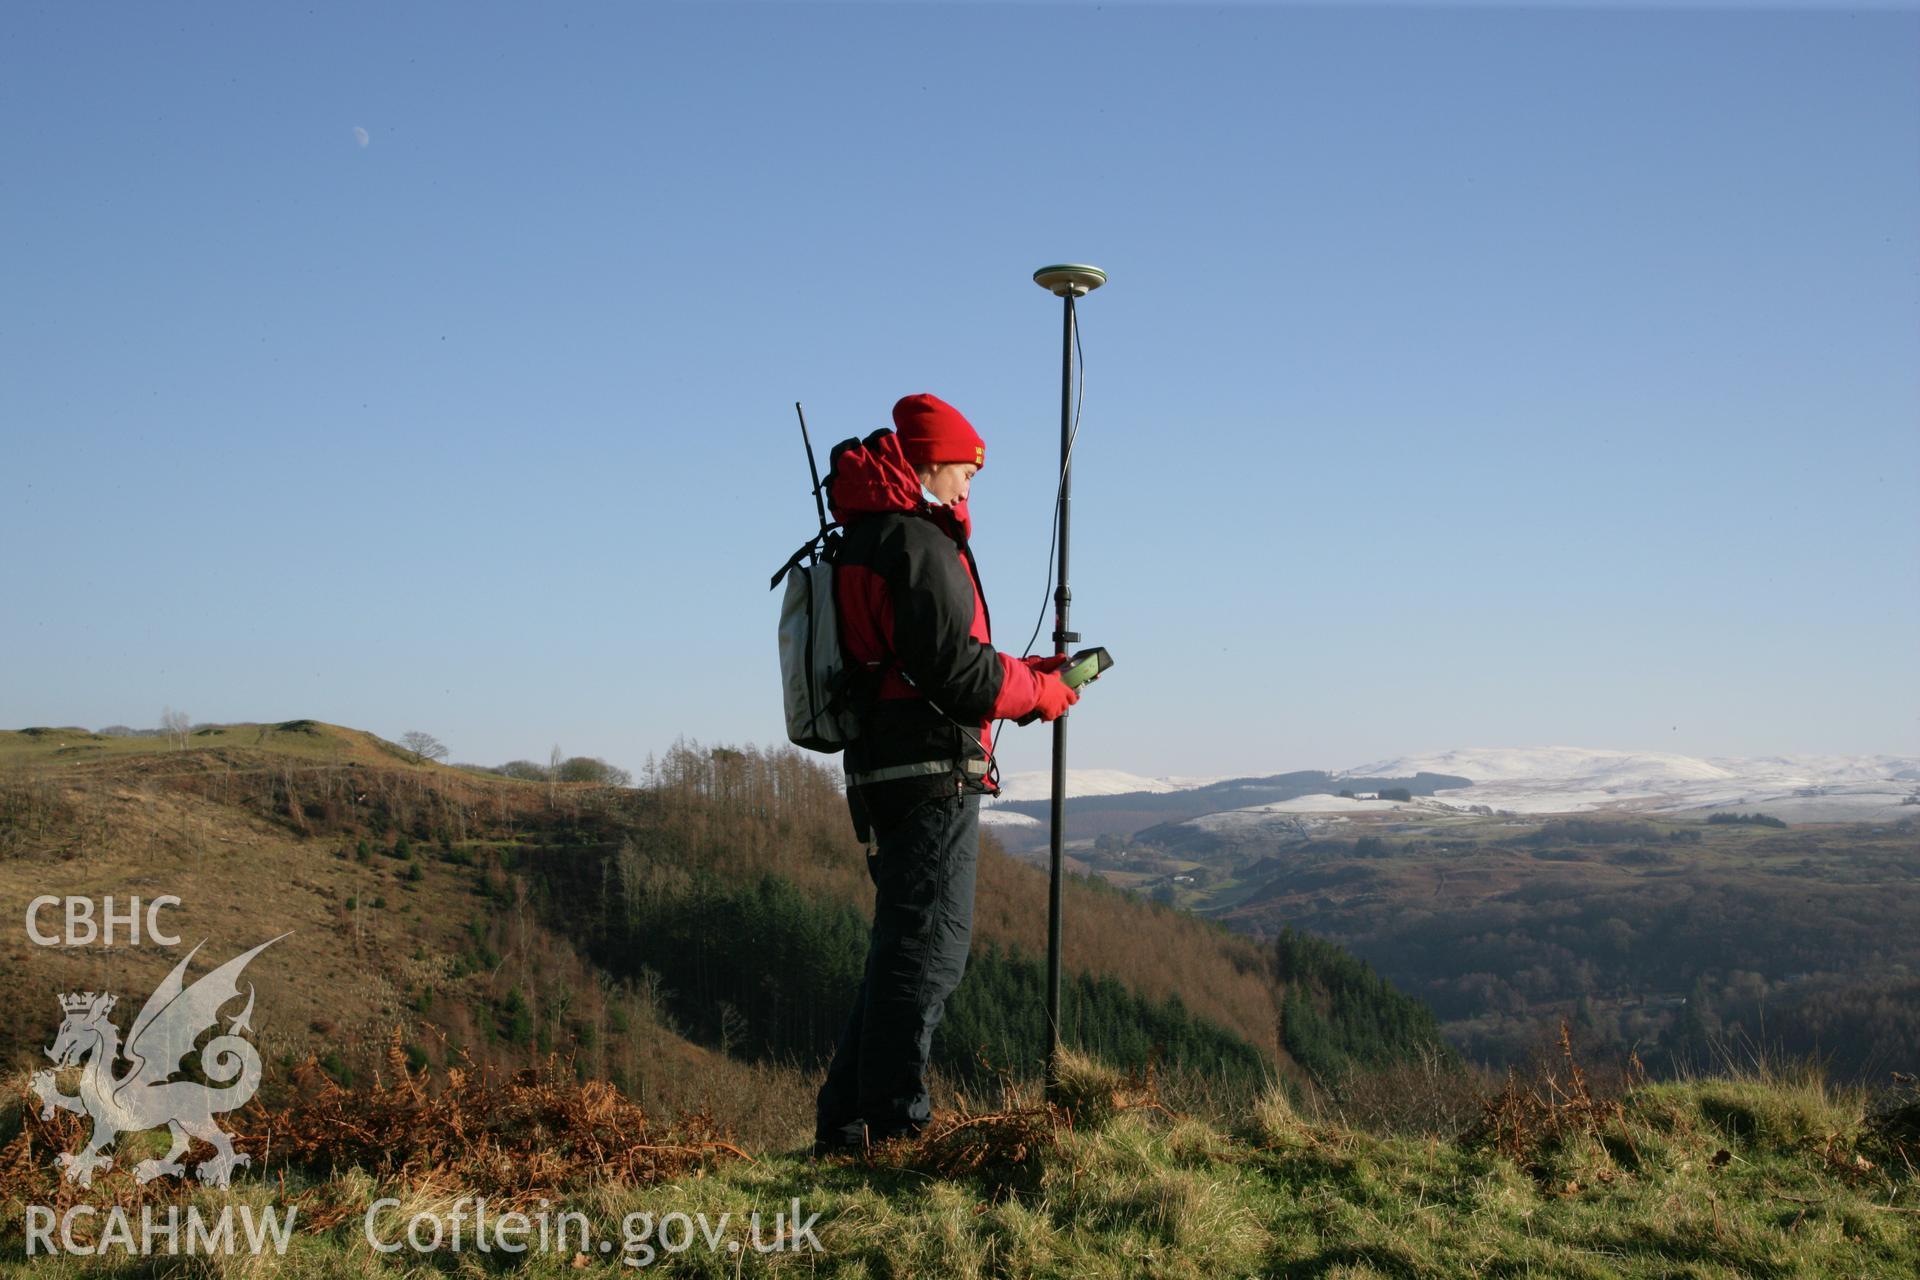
(1535, 780)
(1577, 779)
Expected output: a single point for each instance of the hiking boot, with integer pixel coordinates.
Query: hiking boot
(897, 1137)
(826, 1148)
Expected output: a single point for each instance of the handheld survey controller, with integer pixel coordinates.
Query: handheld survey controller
(1082, 669)
(1085, 667)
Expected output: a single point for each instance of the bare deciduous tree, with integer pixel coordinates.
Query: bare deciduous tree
(175, 724)
(424, 746)
(593, 769)
(526, 770)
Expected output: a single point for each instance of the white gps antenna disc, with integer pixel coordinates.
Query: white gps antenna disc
(1073, 278)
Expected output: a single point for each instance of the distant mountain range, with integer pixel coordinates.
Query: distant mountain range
(1522, 780)
(1573, 780)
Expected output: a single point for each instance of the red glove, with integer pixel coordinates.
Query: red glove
(1040, 664)
(1055, 698)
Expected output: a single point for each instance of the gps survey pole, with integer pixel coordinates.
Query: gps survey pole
(1065, 281)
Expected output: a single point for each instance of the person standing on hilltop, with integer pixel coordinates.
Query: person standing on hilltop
(914, 627)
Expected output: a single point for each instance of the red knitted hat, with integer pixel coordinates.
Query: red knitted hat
(933, 431)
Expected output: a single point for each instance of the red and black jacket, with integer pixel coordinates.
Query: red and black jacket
(914, 624)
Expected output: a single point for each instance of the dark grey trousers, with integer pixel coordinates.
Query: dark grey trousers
(922, 926)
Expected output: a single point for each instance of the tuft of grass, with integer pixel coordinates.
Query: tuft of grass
(1774, 1117)
(1891, 1129)
(1091, 1093)
(1274, 1122)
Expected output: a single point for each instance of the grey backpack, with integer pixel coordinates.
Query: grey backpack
(814, 679)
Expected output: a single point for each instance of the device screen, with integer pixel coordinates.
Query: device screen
(1086, 665)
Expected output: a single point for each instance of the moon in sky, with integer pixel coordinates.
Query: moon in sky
(360, 136)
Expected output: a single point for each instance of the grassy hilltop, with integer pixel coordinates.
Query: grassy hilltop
(1741, 1175)
(612, 1000)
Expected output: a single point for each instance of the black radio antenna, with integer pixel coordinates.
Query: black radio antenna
(813, 468)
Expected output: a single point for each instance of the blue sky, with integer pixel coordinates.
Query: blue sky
(1491, 376)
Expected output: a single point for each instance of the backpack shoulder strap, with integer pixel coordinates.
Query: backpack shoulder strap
(820, 546)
